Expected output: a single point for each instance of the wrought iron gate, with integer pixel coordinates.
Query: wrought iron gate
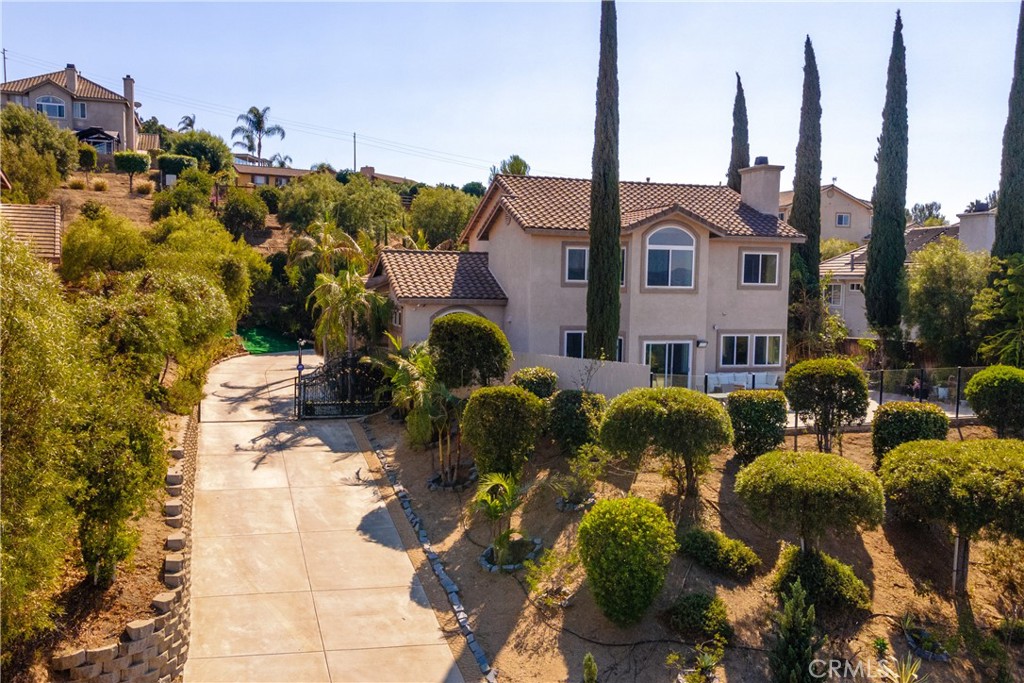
(342, 387)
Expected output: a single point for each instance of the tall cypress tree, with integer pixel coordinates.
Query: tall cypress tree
(887, 250)
(605, 215)
(806, 213)
(740, 137)
(1010, 216)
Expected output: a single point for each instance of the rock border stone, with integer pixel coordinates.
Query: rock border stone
(434, 483)
(564, 505)
(447, 584)
(488, 564)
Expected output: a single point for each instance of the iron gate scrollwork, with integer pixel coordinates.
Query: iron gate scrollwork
(341, 387)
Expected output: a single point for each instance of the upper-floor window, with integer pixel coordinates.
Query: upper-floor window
(19, 99)
(855, 287)
(79, 109)
(51, 106)
(396, 316)
(574, 340)
(782, 215)
(670, 258)
(760, 268)
(842, 220)
(834, 295)
(577, 265)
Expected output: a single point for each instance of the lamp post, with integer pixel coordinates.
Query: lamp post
(300, 367)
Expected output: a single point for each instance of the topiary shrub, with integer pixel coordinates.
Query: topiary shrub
(699, 616)
(88, 157)
(719, 553)
(576, 418)
(830, 584)
(469, 349)
(626, 545)
(996, 395)
(758, 421)
(902, 421)
(132, 163)
(830, 391)
(243, 212)
(175, 164)
(541, 382)
(271, 196)
(501, 425)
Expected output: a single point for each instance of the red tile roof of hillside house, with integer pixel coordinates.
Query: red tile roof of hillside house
(542, 203)
(36, 225)
(461, 275)
(853, 264)
(85, 89)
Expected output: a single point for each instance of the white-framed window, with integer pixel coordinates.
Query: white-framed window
(574, 340)
(842, 220)
(670, 362)
(782, 215)
(751, 350)
(670, 253)
(51, 106)
(760, 268)
(856, 287)
(102, 146)
(19, 99)
(576, 261)
(834, 295)
(79, 109)
(396, 316)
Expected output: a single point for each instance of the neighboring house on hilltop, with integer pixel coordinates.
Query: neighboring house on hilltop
(371, 174)
(704, 278)
(842, 215)
(36, 225)
(254, 176)
(101, 117)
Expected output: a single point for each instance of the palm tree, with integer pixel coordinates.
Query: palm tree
(281, 161)
(247, 143)
(187, 123)
(255, 124)
(326, 244)
(339, 298)
(497, 497)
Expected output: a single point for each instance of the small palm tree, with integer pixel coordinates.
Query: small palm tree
(497, 496)
(187, 123)
(339, 298)
(326, 244)
(254, 123)
(281, 161)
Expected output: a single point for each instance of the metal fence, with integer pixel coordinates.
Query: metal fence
(343, 387)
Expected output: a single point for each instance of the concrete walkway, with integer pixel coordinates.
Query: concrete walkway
(298, 572)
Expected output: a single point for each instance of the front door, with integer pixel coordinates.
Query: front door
(670, 363)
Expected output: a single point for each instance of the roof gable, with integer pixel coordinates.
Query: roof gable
(36, 225)
(786, 198)
(85, 89)
(451, 275)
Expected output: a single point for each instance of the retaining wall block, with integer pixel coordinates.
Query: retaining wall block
(68, 659)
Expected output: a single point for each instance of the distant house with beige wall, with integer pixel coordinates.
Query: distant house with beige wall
(704, 279)
(249, 175)
(101, 117)
(843, 215)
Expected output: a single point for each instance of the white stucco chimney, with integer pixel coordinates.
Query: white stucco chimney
(71, 78)
(978, 228)
(129, 128)
(759, 186)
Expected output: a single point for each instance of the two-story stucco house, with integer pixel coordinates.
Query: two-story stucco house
(843, 215)
(103, 118)
(704, 279)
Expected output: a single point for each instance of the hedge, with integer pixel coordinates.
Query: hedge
(468, 350)
(902, 421)
(700, 616)
(174, 164)
(501, 425)
(719, 553)
(539, 381)
(243, 212)
(758, 421)
(576, 418)
(830, 584)
(996, 395)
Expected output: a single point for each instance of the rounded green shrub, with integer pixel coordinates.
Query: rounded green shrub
(626, 545)
(271, 196)
(243, 212)
(902, 421)
(174, 164)
(719, 553)
(469, 349)
(541, 382)
(832, 392)
(576, 418)
(996, 395)
(830, 584)
(88, 157)
(501, 425)
(758, 421)
(700, 616)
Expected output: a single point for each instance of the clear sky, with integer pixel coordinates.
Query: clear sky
(439, 92)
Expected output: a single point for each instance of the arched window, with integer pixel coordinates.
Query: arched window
(51, 106)
(670, 258)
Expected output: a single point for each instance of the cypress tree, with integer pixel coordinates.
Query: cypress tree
(795, 643)
(605, 216)
(1010, 216)
(806, 213)
(740, 138)
(887, 250)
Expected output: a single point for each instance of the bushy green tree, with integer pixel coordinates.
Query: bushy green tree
(132, 163)
(758, 420)
(210, 150)
(175, 164)
(998, 313)
(929, 213)
(372, 208)
(795, 643)
(1009, 237)
(942, 282)
(105, 244)
(468, 350)
(898, 422)
(308, 199)
(514, 165)
(474, 188)
(740, 138)
(87, 158)
(834, 246)
(683, 426)
(441, 213)
(604, 266)
(833, 392)
(576, 418)
(243, 212)
(190, 193)
(968, 485)
(501, 425)
(271, 196)
(19, 125)
(626, 545)
(996, 395)
(883, 282)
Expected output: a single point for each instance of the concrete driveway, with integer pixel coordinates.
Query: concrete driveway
(298, 572)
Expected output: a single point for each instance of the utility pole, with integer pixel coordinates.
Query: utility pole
(4, 51)
(354, 167)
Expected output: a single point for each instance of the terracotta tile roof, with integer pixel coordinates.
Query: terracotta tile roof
(148, 141)
(439, 275)
(85, 89)
(539, 202)
(853, 264)
(36, 225)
